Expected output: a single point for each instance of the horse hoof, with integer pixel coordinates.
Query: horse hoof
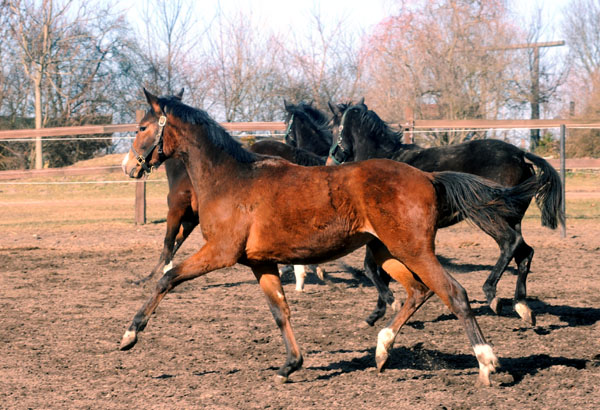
(526, 313)
(496, 306)
(385, 340)
(129, 340)
(320, 273)
(488, 362)
(279, 379)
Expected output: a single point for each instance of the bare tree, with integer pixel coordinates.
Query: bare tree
(437, 59)
(62, 48)
(582, 34)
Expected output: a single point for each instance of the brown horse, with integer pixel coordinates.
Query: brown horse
(248, 219)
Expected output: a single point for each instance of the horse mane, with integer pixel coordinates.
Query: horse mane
(216, 134)
(317, 115)
(377, 128)
(312, 115)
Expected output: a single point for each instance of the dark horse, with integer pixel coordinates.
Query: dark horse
(307, 128)
(247, 218)
(363, 135)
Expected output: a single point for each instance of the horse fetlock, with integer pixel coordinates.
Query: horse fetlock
(525, 313)
(129, 340)
(320, 273)
(168, 267)
(488, 362)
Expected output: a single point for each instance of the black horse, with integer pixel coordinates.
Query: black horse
(307, 128)
(363, 135)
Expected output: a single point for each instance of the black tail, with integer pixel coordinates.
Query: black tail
(548, 196)
(481, 201)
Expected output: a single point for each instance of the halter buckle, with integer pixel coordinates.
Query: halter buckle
(162, 121)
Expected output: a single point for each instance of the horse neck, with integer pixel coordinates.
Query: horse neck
(207, 164)
(314, 140)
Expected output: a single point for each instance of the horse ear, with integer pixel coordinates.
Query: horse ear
(153, 101)
(179, 95)
(361, 101)
(287, 105)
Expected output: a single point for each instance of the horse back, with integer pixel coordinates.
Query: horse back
(496, 160)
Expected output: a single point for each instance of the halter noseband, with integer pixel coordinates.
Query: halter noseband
(142, 160)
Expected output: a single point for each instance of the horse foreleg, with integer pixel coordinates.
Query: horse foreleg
(174, 218)
(270, 284)
(207, 259)
(381, 280)
(300, 274)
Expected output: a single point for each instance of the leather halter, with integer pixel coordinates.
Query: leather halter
(337, 152)
(142, 160)
(289, 129)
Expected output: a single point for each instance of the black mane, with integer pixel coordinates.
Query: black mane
(373, 125)
(314, 117)
(215, 133)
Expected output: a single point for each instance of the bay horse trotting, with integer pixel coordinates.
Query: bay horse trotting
(247, 218)
(363, 135)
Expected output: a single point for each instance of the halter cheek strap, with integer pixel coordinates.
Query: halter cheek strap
(142, 160)
(289, 128)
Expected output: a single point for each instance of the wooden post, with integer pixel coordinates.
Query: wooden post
(563, 177)
(140, 187)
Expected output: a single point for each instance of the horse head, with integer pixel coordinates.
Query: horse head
(147, 150)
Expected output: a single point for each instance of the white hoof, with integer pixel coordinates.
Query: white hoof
(385, 341)
(488, 362)
(129, 340)
(320, 273)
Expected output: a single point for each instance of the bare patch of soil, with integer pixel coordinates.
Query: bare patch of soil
(67, 297)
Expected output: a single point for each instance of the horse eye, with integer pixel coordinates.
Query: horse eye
(142, 129)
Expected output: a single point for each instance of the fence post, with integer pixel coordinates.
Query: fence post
(140, 187)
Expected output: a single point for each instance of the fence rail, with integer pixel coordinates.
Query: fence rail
(112, 128)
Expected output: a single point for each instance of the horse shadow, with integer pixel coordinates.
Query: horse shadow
(569, 315)
(427, 360)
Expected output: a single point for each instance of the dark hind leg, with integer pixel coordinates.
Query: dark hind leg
(508, 242)
(207, 259)
(270, 283)
(523, 257)
(381, 280)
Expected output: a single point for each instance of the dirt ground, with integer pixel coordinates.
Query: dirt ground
(66, 298)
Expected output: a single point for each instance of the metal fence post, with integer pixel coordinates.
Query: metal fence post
(140, 188)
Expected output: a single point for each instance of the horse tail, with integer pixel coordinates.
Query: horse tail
(481, 201)
(548, 196)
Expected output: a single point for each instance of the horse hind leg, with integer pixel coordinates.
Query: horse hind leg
(428, 270)
(417, 294)
(523, 257)
(270, 284)
(508, 242)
